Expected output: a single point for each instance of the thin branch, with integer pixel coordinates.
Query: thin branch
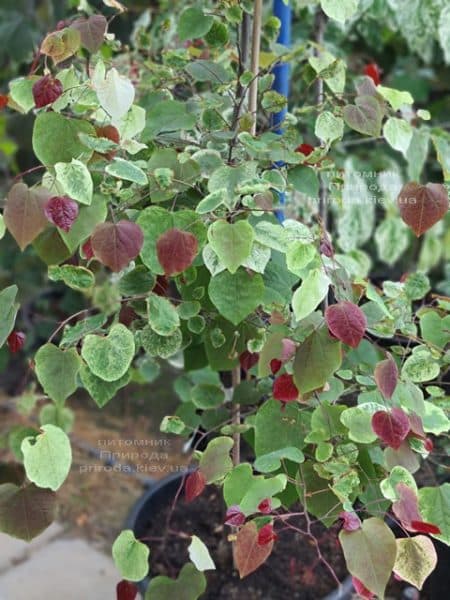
(256, 50)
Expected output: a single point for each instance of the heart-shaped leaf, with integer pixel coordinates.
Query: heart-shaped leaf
(101, 391)
(248, 554)
(24, 213)
(370, 554)
(46, 90)
(109, 357)
(92, 31)
(391, 427)
(406, 508)
(130, 556)
(316, 359)
(176, 250)
(194, 485)
(126, 590)
(347, 322)
(215, 461)
(422, 206)
(57, 371)
(232, 242)
(61, 211)
(190, 585)
(116, 244)
(416, 559)
(386, 376)
(26, 511)
(236, 296)
(8, 312)
(365, 116)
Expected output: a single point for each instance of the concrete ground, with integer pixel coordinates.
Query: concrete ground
(55, 567)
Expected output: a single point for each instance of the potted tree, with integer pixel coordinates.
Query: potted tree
(311, 395)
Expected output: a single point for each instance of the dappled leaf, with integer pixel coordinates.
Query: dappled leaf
(109, 357)
(248, 553)
(16, 341)
(347, 322)
(62, 44)
(386, 376)
(24, 213)
(194, 485)
(391, 427)
(26, 511)
(92, 31)
(46, 90)
(422, 206)
(434, 504)
(116, 244)
(61, 211)
(126, 590)
(416, 559)
(176, 250)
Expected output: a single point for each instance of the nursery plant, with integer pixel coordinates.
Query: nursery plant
(170, 199)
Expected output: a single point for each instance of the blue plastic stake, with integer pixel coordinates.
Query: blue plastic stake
(282, 74)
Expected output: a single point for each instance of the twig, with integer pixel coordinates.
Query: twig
(256, 49)
(236, 417)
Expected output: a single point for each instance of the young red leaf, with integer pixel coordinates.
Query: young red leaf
(416, 426)
(234, 516)
(288, 349)
(92, 31)
(4, 99)
(361, 589)
(24, 213)
(116, 244)
(422, 206)
(428, 445)
(126, 590)
(391, 427)
(16, 341)
(275, 365)
(194, 485)
(351, 521)
(46, 90)
(266, 535)
(406, 508)
(422, 527)
(265, 506)
(61, 211)
(305, 149)
(248, 554)
(346, 322)
(109, 132)
(248, 360)
(284, 389)
(176, 251)
(86, 249)
(386, 376)
(326, 247)
(373, 71)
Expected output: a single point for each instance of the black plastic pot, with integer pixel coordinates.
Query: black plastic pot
(158, 496)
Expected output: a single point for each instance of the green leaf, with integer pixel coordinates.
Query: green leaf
(243, 488)
(316, 359)
(215, 461)
(434, 506)
(339, 11)
(416, 559)
(267, 463)
(434, 419)
(172, 424)
(55, 138)
(398, 134)
(435, 329)
(75, 181)
(420, 366)
(236, 296)
(109, 357)
(397, 475)
(207, 395)
(316, 496)
(396, 98)
(47, 457)
(193, 23)
(305, 180)
(370, 554)
(101, 391)
(232, 242)
(73, 334)
(199, 555)
(190, 585)
(26, 511)
(8, 312)
(328, 127)
(392, 239)
(169, 115)
(207, 70)
(162, 315)
(57, 371)
(358, 419)
(21, 93)
(127, 170)
(277, 430)
(365, 116)
(330, 69)
(299, 256)
(310, 294)
(59, 416)
(130, 556)
(77, 278)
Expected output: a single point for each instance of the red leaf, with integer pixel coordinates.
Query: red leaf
(275, 365)
(406, 508)
(284, 389)
(422, 527)
(351, 521)
(161, 286)
(92, 31)
(16, 341)
(391, 427)
(361, 589)
(248, 360)
(110, 133)
(234, 516)
(24, 213)
(86, 249)
(266, 535)
(422, 206)
(347, 322)
(248, 554)
(386, 376)
(126, 590)
(46, 90)
(4, 98)
(116, 244)
(326, 247)
(373, 71)
(176, 251)
(416, 426)
(305, 149)
(288, 349)
(265, 506)
(428, 445)
(194, 485)
(61, 211)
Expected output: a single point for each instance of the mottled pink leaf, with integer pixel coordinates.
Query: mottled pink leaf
(46, 90)
(391, 427)
(346, 322)
(351, 520)
(116, 244)
(62, 211)
(386, 376)
(234, 516)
